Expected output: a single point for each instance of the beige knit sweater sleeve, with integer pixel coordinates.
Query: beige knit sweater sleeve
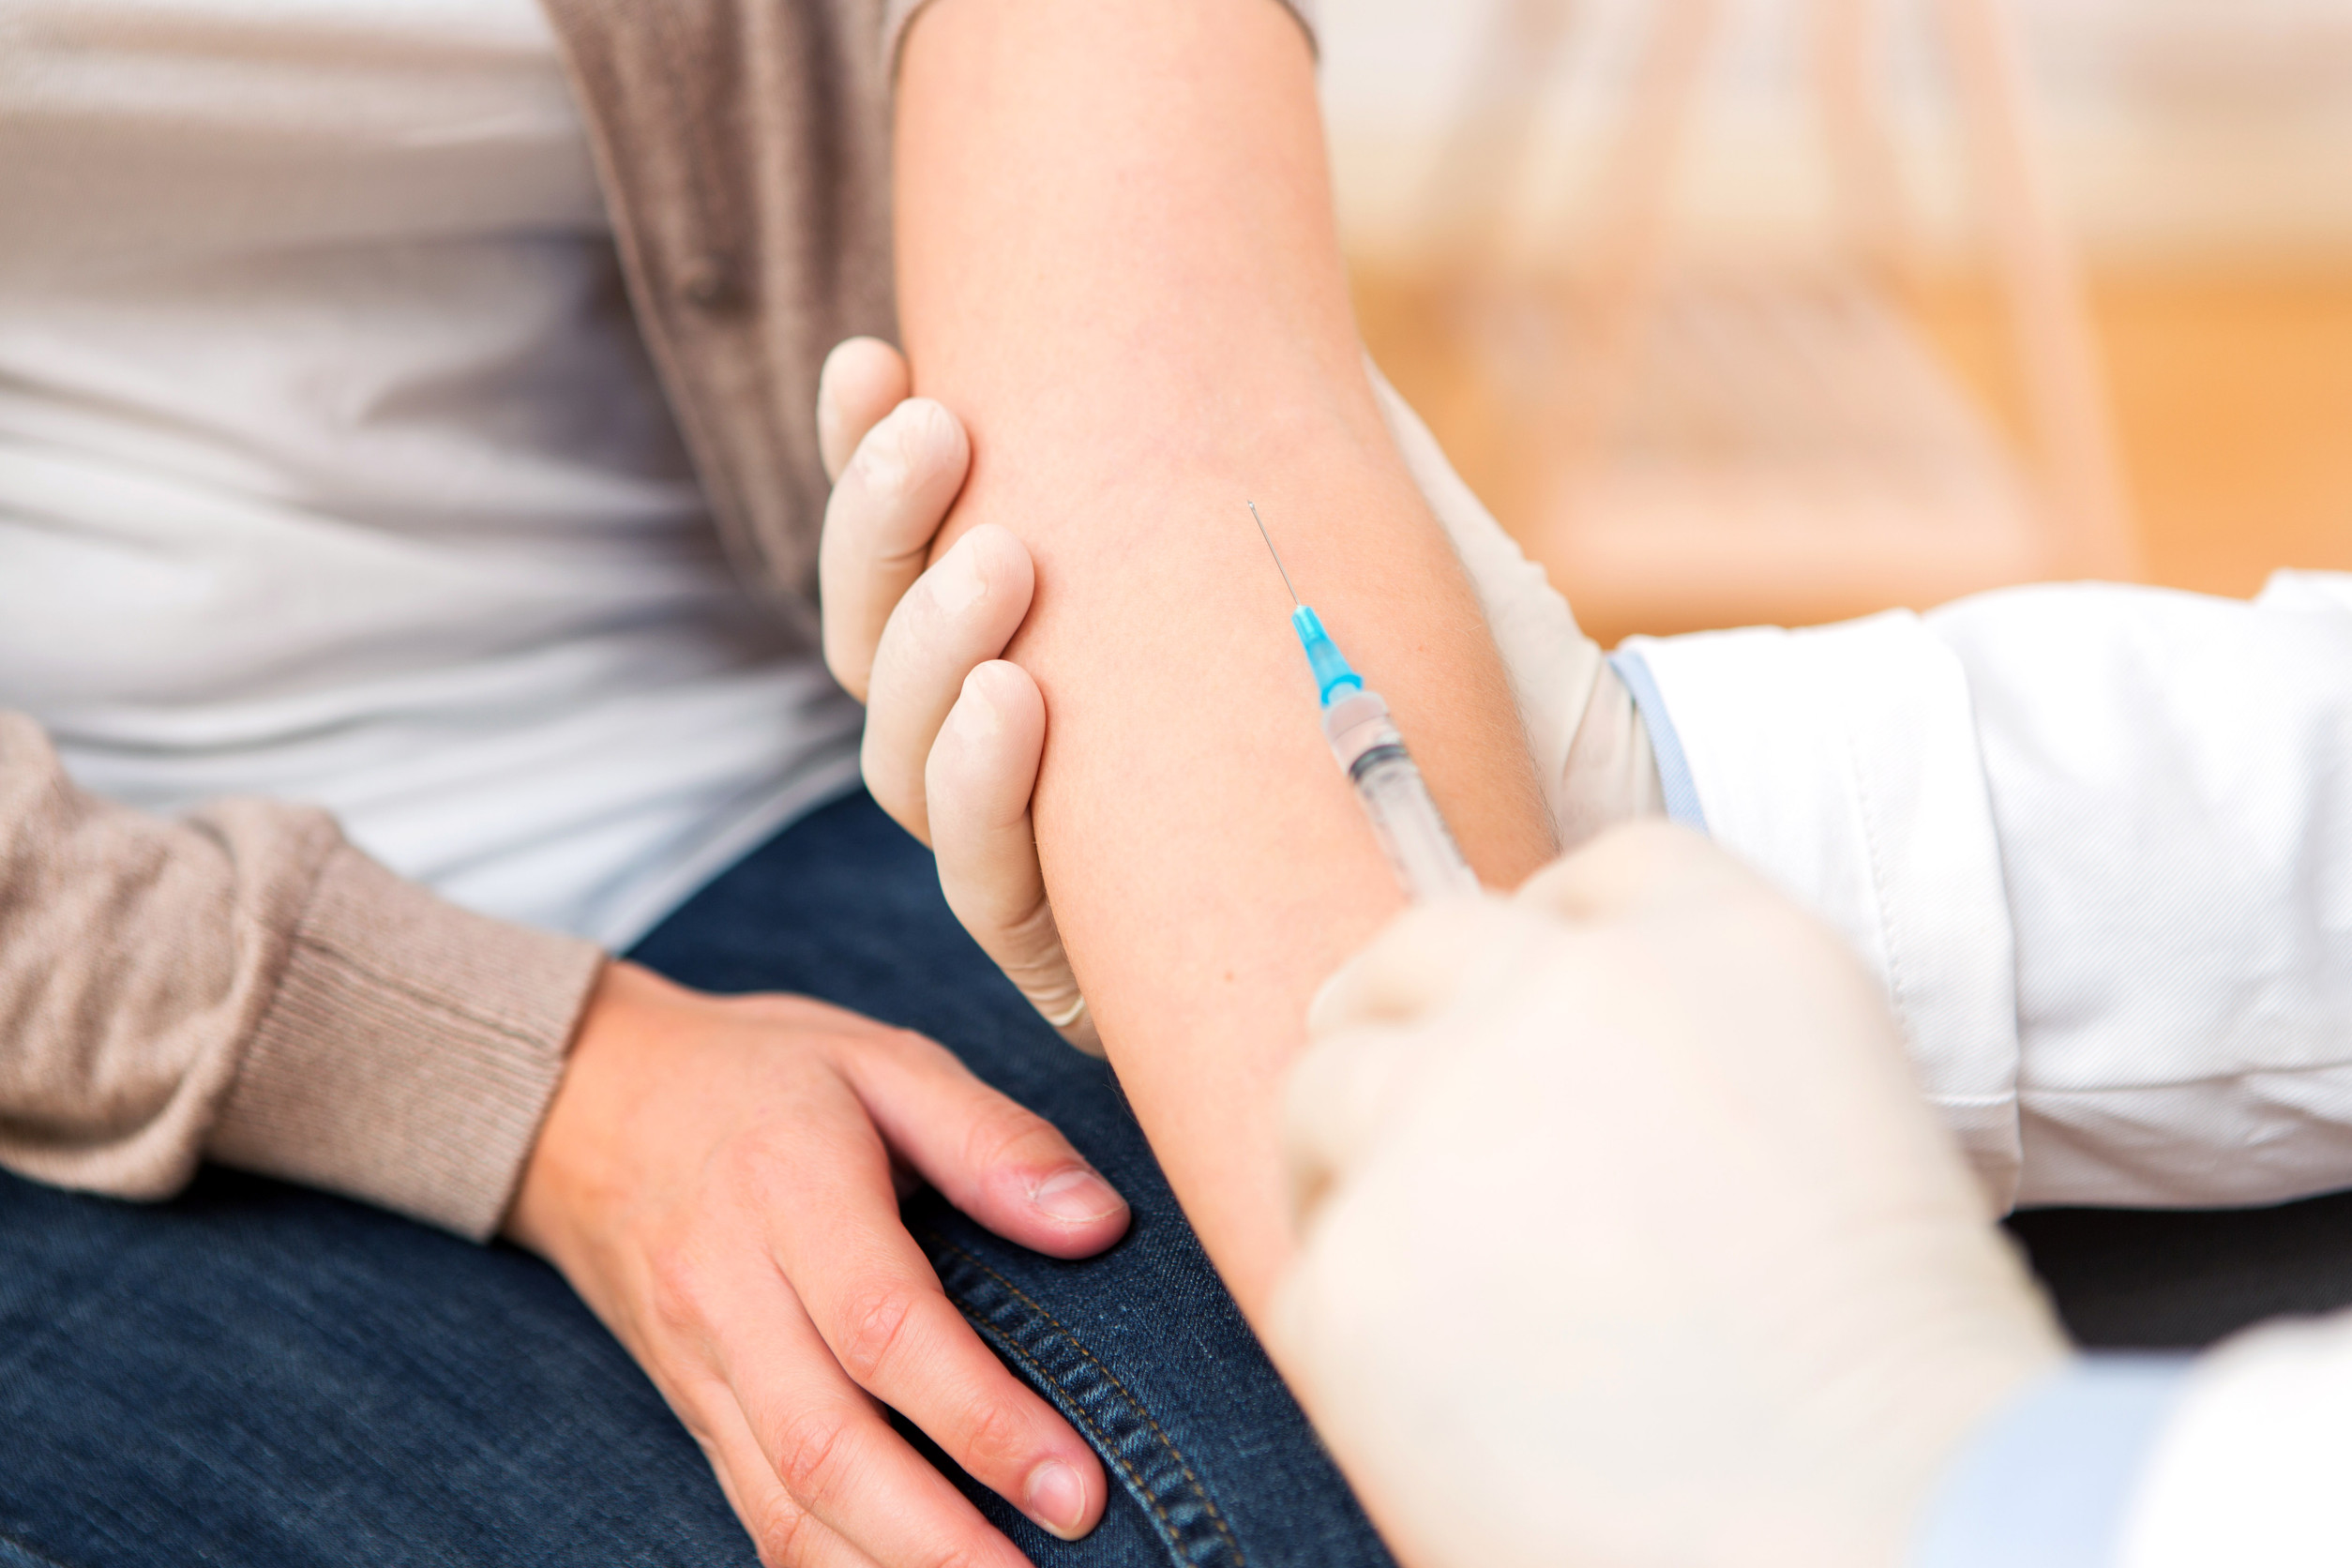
(897, 13)
(242, 985)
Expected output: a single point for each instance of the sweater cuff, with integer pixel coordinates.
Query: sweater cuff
(409, 1053)
(897, 13)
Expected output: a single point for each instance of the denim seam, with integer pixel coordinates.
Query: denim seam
(1139, 1484)
(1168, 1526)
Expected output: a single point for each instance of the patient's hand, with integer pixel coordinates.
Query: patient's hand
(953, 732)
(716, 1180)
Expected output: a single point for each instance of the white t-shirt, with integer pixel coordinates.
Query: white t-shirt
(332, 468)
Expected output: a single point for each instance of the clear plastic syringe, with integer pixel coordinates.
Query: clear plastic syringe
(1372, 754)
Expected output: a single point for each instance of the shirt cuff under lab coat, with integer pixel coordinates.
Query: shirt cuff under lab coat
(2049, 1480)
(1675, 785)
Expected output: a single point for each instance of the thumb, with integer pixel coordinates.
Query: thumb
(1343, 1093)
(1637, 866)
(1419, 963)
(977, 781)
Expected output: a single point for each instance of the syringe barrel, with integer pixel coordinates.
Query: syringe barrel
(1414, 836)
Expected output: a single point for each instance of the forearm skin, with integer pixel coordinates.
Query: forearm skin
(1117, 265)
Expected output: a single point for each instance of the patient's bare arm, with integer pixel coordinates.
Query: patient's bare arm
(1118, 265)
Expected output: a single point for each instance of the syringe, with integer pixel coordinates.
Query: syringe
(1372, 754)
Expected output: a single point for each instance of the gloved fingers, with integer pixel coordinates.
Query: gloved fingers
(1417, 964)
(977, 780)
(863, 379)
(958, 614)
(880, 522)
(1077, 1025)
(1639, 866)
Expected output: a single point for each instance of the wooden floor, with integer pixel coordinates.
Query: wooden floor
(2232, 395)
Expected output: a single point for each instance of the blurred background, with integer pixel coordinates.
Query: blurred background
(1782, 310)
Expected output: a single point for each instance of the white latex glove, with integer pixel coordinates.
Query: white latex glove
(953, 732)
(1590, 748)
(1626, 1237)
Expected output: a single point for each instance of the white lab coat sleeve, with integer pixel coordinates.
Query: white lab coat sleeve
(1842, 763)
(2096, 841)
(2250, 1466)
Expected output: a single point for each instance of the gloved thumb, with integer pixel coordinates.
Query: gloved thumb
(1348, 1087)
(1367, 1047)
(1414, 967)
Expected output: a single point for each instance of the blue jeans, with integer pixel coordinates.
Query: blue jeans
(255, 1374)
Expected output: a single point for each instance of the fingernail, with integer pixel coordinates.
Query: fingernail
(1075, 1196)
(1056, 1499)
(974, 717)
(957, 582)
(930, 434)
(883, 459)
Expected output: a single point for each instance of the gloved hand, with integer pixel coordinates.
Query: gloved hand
(1626, 1238)
(953, 732)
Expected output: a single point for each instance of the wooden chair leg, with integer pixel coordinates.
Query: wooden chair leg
(2057, 356)
(1485, 156)
(1634, 216)
(1858, 143)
